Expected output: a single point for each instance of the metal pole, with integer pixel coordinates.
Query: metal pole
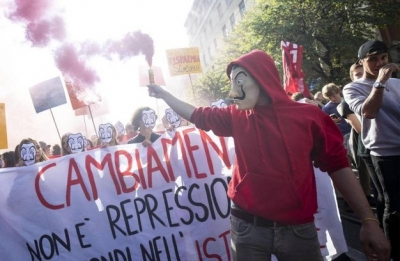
(191, 83)
(55, 123)
(84, 120)
(94, 126)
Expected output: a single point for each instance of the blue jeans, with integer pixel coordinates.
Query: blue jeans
(387, 169)
(288, 243)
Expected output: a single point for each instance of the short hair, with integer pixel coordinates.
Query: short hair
(137, 117)
(330, 89)
(316, 94)
(65, 150)
(8, 159)
(352, 68)
(56, 150)
(297, 96)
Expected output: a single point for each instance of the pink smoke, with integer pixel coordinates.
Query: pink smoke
(30, 10)
(41, 33)
(132, 44)
(74, 67)
(71, 59)
(40, 27)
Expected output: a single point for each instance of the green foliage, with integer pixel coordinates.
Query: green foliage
(330, 32)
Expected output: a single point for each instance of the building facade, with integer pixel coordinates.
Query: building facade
(210, 21)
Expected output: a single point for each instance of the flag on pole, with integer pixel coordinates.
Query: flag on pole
(293, 76)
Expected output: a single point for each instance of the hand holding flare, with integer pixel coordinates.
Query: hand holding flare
(151, 81)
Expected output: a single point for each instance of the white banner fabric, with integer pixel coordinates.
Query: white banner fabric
(126, 202)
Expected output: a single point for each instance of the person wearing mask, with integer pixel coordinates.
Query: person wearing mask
(143, 121)
(273, 190)
(30, 153)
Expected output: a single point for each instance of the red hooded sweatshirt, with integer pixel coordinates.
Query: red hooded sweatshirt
(275, 146)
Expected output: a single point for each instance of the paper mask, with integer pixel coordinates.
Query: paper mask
(149, 118)
(173, 118)
(28, 153)
(77, 143)
(219, 104)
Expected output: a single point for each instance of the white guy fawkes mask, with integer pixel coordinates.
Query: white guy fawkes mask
(119, 127)
(106, 132)
(149, 118)
(28, 153)
(245, 90)
(173, 118)
(77, 143)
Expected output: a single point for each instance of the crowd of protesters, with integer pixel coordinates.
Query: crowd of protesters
(366, 111)
(30, 151)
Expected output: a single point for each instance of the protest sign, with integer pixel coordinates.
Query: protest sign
(48, 94)
(184, 61)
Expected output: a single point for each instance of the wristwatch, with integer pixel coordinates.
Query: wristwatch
(379, 85)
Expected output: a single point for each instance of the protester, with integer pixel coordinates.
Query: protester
(90, 145)
(56, 151)
(357, 148)
(318, 97)
(72, 143)
(16, 154)
(108, 135)
(332, 92)
(129, 134)
(30, 153)
(45, 148)
(144, 120)
(375, 100)
(8, 159)
(273, 185)
(299, 97)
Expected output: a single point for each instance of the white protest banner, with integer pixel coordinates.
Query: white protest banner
(164, 202)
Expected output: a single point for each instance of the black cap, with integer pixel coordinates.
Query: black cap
(371, 47)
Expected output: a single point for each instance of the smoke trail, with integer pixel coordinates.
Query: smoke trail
(73, 65)
(43, 32)
(30, 11)
(42, 28)
(132, 44)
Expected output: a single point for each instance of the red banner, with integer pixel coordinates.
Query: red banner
(293, 76)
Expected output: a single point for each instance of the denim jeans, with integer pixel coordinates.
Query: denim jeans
(253, 243)
(377, 188)
(387, 169)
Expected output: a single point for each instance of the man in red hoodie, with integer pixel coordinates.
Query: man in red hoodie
(273, 189)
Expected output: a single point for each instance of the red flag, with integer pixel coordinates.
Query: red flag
(293, 76)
